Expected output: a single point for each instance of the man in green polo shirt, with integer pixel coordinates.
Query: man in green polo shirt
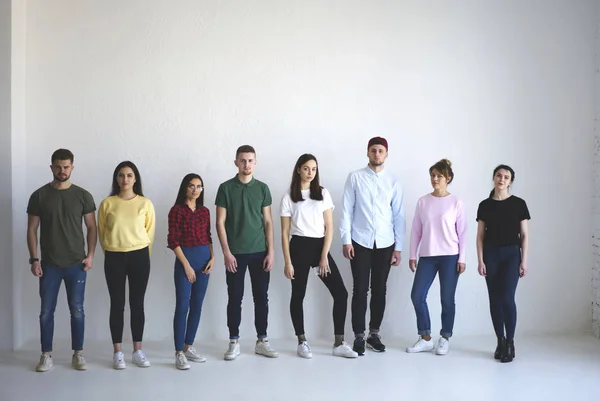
(245, 230)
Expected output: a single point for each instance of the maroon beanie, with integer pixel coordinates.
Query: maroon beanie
(378, 141)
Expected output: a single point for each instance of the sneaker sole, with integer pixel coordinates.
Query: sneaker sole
(369, 346)
(231, 358)
(418, 351)
(80, 368)
(197, 360)
(142, 366)
(266, 355)
(119, 367)
(182, 367)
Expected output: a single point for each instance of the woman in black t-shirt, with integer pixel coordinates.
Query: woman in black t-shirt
(502, 245)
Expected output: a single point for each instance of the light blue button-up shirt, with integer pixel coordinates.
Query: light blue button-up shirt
(373, 210)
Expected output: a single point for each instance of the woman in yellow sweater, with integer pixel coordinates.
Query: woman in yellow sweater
(126, 224)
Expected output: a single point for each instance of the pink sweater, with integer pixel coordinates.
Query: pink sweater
(440, 227)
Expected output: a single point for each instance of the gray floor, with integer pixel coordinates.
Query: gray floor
(546, 368)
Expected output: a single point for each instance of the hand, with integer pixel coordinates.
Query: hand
(324, 267)
(522, 269)
(396, 258)
(209, 266)
(87, 262)
(230, 262)
(190, 274)
(481, 269)
(412, 264)
(36, 269)
(268, 262)
(348, 251)
(288, 271)
(461, 267)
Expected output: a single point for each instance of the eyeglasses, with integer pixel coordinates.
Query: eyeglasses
(191, 187)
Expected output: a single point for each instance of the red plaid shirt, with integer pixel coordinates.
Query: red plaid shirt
(188, 228)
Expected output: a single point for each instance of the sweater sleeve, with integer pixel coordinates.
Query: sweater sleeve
(150, 225)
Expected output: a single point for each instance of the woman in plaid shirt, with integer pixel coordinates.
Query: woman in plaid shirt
(190, 239)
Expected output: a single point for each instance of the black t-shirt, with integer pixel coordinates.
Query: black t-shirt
(503, 220)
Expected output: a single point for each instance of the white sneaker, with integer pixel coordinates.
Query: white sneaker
(304, 350)
(421, 346)
(78, 361)
(193, 355)
(181, 362)
(119, 361)
(45, 363)
(139, 359)
(443, 346)
(233, 351)
(264, 348)
(344, 350)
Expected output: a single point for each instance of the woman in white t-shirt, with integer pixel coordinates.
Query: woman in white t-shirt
(307, 216)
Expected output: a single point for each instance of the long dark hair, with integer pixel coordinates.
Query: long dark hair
(137, 186)
(503, 167)
(316, 191)
(182, 194)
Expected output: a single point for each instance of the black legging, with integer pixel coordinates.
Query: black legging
(305, 253)
(502, 276)
(118, 266)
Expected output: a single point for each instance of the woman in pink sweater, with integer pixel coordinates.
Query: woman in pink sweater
(438, 233)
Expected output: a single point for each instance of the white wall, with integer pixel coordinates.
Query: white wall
(6, 266)
(596, 195)
(176, 88)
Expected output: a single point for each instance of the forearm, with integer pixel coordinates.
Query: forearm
(32, 243)
(212, 254)
(285, 246)
(480, 249)
(327, 242)
(524, 248)
(269, 237)
(222, 234)
(92, 240)
(181, 257)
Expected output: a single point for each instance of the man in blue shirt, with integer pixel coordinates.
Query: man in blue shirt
(372, 230)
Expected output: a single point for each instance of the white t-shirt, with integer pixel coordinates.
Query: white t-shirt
(306, 216)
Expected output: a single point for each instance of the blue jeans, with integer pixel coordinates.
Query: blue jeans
(427, 268)
(189, 296)
(235, 291)
(502, 276)
(74, 278)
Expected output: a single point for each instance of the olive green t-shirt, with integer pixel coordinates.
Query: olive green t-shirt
(244, 223)
(61, 213)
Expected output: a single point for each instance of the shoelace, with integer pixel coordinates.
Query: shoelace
(141, 356)
(181, 358)
(305, 347)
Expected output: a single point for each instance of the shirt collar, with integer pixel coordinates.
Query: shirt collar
(241, 184)
(371, 172)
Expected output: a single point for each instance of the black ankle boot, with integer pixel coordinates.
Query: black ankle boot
(499, 347)
(508, 351)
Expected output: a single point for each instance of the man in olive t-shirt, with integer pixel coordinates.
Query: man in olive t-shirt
(245, 230)
(58, 209)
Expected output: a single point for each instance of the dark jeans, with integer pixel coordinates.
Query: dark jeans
(74, 278)
(374, 265)
(189, 296)
(305, 253)
(235, 291)
(502, 267)
(427, 269)
(119, 267)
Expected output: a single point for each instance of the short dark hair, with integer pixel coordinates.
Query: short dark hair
(62, 154)
(137, 187)
(245, 149)
(444, 167)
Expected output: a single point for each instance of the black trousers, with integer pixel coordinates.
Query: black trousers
(119, 267)
(369, 265)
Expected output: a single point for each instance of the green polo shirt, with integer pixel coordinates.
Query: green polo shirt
(244, 222)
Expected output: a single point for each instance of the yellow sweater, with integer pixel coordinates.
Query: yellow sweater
(126, 225)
